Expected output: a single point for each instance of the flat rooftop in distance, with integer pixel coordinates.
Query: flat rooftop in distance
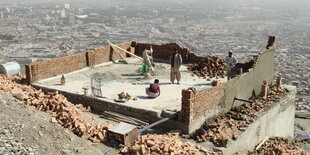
(119, 77)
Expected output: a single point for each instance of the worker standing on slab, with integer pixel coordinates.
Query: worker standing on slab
(231, 62)
(147, 61)
(153, 91)
(176, 62)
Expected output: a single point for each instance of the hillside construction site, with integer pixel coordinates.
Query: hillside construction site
(94, 102)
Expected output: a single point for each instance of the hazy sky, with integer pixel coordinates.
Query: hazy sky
(171, 3)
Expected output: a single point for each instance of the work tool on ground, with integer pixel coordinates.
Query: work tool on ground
(238, 99)
(107, 151)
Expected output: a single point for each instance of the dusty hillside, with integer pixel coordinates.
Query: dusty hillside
(25, 130)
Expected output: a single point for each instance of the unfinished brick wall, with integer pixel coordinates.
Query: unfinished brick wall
(107, 53)
(163, 51)
(195, 104)
(62, 65)
(101, 54)
(166, 50)
(49, 68)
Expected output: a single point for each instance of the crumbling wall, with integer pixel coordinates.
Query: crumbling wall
(250, 83)
(201, 105)
(278, 121)
(62, 65)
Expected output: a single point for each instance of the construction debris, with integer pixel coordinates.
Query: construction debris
(211, 66)
(65, 113)
(161, 144)
(135, 83)
(278, 145)
(228, 126)
(124, 96)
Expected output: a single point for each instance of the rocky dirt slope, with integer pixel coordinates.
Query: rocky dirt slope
(24, 130)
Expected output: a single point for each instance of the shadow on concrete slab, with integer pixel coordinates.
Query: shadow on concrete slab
(145, 97)
(134, 74)
(165, 83)
(203, 84)
(57, 84)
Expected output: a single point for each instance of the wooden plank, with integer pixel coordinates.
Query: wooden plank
(121, 120)
(127, 117)
(123, 50)
(302, 114)
(120, 54)
(258, 146)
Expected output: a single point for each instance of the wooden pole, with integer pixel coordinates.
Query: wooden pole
(120, 54)
(258, 146)
(123, 50)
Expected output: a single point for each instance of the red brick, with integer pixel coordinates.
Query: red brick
(150, 143)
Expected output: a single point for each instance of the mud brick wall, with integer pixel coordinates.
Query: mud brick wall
(62, 65)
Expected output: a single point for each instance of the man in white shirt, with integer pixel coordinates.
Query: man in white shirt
(231, 62)
(147, 61)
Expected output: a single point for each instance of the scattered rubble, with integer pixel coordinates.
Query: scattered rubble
(228, 126)
(26, 131)
(135, 83)
(278, 145)
(212, 66)
(124, 96)
(65, 113)
(9, 145)
(161, 144)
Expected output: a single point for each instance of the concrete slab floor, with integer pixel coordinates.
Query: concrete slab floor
(119, 77)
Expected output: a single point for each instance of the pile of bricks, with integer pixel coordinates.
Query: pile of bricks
(161, 144)
(228, 126)
(278, 145)
(65, 113)
(211, 66)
